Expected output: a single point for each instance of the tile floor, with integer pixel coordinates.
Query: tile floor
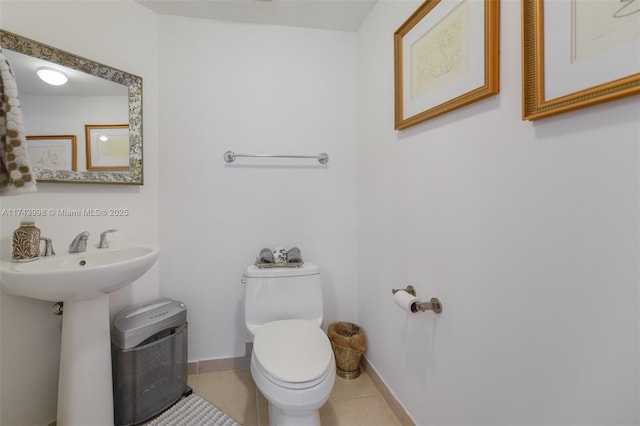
(352, 402)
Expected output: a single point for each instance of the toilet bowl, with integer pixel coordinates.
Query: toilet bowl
(293, 366)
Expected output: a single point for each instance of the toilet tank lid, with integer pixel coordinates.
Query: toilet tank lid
(308, 268)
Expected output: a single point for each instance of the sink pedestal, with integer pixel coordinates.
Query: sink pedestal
(85, 390)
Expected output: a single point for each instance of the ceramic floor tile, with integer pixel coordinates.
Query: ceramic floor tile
(232, 392)
(360, 386)
(361, 411)
(351, 403)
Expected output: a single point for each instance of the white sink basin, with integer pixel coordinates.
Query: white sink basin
(76, 275)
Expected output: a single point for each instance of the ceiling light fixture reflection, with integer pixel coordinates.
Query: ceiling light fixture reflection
(52, 77)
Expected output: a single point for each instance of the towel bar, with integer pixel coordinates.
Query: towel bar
(230, 156)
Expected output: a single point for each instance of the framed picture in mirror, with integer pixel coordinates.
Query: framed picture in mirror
(53, 152)
(107, 146)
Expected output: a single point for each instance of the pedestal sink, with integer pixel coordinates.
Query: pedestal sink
(82, 281)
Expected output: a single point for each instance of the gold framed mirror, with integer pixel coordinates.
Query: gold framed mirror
(119, 99)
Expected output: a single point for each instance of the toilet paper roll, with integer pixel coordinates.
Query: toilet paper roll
(406, 301)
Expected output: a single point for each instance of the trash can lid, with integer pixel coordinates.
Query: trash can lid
(139, 322)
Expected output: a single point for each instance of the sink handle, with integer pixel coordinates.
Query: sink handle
(103, 238)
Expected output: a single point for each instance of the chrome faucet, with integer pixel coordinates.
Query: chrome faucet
(79, 243)
(48, 247)
(103, 238)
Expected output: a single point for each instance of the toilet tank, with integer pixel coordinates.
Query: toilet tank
(273, 294)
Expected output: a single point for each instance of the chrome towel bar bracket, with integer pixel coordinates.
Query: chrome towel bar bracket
(231, 156)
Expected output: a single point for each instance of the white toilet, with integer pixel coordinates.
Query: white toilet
(292, 361)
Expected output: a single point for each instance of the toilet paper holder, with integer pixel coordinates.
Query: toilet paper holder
(433, 305)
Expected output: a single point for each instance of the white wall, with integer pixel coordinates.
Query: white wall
(253, 89)
(124, 35)
(527, 232)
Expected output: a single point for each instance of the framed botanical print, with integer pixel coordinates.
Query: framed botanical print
(446, 55)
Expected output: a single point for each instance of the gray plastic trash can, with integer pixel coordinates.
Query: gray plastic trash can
(149, 359)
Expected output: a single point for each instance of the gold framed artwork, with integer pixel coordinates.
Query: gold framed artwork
(107, 146)
(446, 56)
(578, 53)
(53, 152)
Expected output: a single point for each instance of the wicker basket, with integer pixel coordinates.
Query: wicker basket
(349, 343)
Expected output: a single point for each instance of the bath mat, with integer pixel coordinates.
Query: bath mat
(193, 411)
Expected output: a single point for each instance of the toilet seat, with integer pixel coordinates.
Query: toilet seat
(293, 354)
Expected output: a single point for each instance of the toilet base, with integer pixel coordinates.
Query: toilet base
(294, 407)
(280, 418)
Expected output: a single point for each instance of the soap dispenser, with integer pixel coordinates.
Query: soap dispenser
(26, 241)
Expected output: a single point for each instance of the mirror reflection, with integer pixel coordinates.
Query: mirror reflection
(88, 129)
